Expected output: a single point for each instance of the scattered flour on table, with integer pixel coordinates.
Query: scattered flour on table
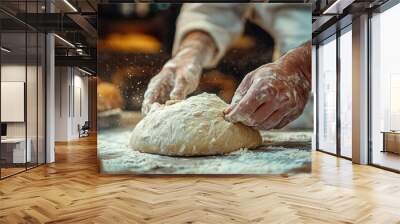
(116, 157)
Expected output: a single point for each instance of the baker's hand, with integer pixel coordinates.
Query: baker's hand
(180, 76)
(274, 94)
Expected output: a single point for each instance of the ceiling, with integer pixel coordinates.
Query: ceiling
(72, 20)
(328, 13)
(76, 22)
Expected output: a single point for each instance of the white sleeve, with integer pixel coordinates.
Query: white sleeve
(223, 22)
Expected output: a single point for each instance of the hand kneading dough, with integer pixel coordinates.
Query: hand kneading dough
(192, 127)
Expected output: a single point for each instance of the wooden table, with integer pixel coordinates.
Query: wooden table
(391, 141)
(13, 150)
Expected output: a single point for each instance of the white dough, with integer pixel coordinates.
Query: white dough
(192, 127)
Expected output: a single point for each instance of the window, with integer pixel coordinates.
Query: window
(327, 95)
(346, 93)
(385, 89)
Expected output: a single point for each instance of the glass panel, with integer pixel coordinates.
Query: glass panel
(385, 83)
(13, 87)
(23, 88)
(327, 96)
(31, 97)
(346, 94)
(32, 88)
(13, 91)
(41, 99)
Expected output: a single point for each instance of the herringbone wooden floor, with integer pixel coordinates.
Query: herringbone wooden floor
(72, 191)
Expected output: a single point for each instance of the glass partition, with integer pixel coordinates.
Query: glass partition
(22, 88)
(41, 96)
(327, 95)
(31, 97)
(41, 88)
(13, 109)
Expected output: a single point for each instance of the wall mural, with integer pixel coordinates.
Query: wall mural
(204, 88)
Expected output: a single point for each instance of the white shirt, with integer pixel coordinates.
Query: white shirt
(289, 24)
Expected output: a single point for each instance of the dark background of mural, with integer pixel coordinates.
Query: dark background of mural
(130, 66)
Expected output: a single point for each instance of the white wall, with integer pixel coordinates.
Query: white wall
(81, 84)
(13, 101)
(71, 87)
(61, 103)
(12, 73)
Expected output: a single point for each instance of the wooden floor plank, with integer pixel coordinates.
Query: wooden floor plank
(72, 191)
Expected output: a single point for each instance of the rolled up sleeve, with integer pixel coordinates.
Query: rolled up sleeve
(223, 22)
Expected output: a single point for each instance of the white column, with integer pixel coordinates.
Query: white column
(50, 93)
(50, 100)
(360, 90)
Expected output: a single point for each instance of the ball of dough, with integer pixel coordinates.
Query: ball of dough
(192, 127)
